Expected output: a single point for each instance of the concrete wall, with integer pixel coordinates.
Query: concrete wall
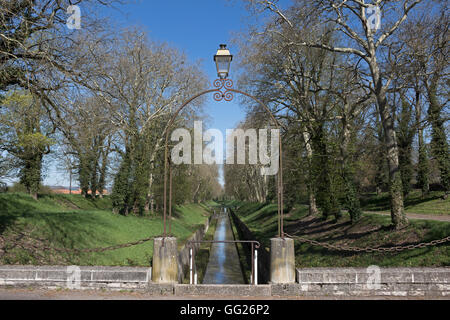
(313, 282)
(372, 281)
(64, 276)
(183, 255)
(92, 277)
(263, 255)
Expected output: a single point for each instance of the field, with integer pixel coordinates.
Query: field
(370, 231)
(71, 221)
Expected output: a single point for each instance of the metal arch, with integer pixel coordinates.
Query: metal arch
(217, 96)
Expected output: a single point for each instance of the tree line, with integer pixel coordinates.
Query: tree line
(354, 102)
(360, 107)
(97, 102)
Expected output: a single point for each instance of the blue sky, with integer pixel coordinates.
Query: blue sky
(196, 27)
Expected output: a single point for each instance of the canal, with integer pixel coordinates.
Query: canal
(223, 265)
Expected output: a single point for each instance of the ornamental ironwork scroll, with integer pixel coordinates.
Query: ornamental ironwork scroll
(223, 86)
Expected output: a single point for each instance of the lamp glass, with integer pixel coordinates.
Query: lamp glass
(223, 66)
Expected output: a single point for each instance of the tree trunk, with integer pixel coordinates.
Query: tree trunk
(398, 216)
(439, 145)
(422, 166)
(323, 175)
(404, 141)
(149, 197)
(103, 169)
(351, 194)
(83, 174)
(378, 190)
(310, 186)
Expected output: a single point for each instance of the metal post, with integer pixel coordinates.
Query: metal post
(254, 258)
(253, 267)
(191, 267)
(256, 267)
(170, 198)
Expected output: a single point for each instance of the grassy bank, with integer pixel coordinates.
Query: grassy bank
(203, 253)
(71, 221)
(370, 231)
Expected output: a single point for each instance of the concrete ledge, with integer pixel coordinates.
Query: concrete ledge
(312, 282)
(295, 290)
(362, 275)
(161, 289)
(222, 290)
(89, 277)
(369, 282)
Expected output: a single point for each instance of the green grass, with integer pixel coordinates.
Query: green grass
(369, 231)
(202, 254)
(414, 203)
(71, 221)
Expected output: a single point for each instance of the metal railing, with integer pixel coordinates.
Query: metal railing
(254, 249)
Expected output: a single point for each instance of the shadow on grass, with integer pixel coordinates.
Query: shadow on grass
(355, 236)
(263, 214)
(316, 225)
(72, 228)
(11, 210)
(382, 202)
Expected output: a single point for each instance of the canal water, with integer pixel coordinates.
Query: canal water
(223, 266)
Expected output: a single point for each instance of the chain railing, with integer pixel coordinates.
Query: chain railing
(326, 245)
(368, 249)
(23, 235)
(76, 250)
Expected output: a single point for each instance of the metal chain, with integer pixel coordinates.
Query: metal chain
(368, 249)
(88, 250)
(103, 249)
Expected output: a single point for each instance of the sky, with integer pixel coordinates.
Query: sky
(196, 27)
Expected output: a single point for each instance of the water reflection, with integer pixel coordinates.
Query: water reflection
(223, 266)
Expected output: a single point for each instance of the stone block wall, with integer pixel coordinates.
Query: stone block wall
(372, 281)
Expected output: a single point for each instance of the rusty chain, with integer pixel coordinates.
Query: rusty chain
(368, 249)
(301, 239)
(103, 249)
(87, 250)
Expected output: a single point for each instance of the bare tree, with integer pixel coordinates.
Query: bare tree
(34, 39)
(361, 40)
(143, 82)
